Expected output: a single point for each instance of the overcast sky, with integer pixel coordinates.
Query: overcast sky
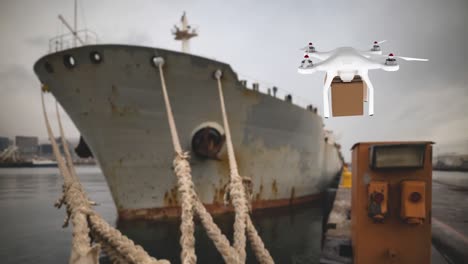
(260, 39)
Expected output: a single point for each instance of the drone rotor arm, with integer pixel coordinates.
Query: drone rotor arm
(375, 65)
(321, 55)
(308, 70)
(324, 65)
(366, 53)
(319, 66)
(365, 77)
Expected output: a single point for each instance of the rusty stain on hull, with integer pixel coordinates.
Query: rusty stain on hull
(215, 208)
(218, 197)
(223, 162)
(259, 195)
(274, 188)
(171, 197)
(119, 110)
(293, 193)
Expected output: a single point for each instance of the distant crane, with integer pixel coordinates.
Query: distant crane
(185, 33)
(9, 154)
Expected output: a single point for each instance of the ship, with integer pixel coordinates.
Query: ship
(11, 158)
(34, 163)
(113, 95)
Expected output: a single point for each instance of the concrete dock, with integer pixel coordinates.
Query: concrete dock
(337, 244)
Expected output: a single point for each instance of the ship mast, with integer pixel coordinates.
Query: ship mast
(75, 23)
(74, 29)
(184, 34)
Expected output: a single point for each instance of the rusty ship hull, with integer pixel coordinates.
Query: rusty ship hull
(117, 105)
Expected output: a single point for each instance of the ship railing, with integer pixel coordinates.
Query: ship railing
(277, 92)
(66, 41)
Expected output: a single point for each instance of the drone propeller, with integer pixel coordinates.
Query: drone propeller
(379, 42)
(376, 46)
(411, 59)
(392, 56)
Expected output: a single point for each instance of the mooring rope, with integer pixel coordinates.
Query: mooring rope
(236, 188)
(231, 254)
(262, 254)
(85, 221)
(81, 243)
(70, 166)
(185, 184)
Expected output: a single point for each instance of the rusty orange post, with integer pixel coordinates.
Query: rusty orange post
(391, 202)
(346, 177)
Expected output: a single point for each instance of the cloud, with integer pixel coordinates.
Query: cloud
(139, 38)
(14, 72)
(16, 79)
(40, 41)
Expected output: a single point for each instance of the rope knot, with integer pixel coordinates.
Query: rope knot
(84, 210)
(183, 155)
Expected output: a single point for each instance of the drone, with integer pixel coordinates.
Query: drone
(347, 62)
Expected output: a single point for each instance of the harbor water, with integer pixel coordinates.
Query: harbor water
(31, 232)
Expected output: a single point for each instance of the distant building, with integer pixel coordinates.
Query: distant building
(45, 151)
(61, 147)
(4, 143)
(451, 162)
(27, 146)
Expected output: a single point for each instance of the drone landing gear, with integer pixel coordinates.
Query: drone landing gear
(326, 88)
(370, 90)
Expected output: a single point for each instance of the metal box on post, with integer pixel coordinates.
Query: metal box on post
(391, 202)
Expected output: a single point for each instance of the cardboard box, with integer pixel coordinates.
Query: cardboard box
(348, 97)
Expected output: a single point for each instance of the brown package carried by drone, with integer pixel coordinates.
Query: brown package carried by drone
(348, 97)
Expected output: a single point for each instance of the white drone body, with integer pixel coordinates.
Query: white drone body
(346, 62)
